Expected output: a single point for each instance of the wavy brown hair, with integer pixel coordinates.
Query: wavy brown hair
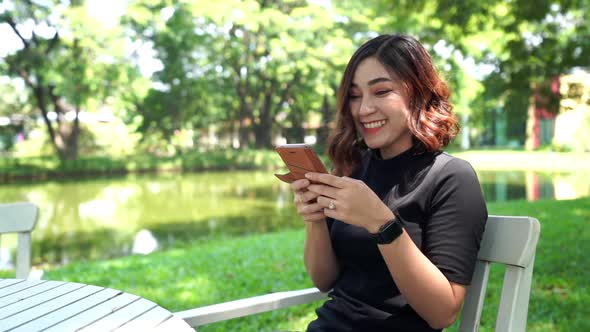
(431, 121)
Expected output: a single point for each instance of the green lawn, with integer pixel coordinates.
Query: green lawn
(230, 268)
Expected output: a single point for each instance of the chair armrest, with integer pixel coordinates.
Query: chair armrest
(249, 306)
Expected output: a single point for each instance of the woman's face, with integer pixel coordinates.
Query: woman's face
(380, 109)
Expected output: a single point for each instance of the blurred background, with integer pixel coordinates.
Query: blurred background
(145, 125)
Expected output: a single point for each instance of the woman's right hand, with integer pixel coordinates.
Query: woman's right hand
(305, 202)
(319, 258)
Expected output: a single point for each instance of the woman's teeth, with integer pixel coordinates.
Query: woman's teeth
(375, 124)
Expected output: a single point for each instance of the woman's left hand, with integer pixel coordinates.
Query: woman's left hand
(350, 201)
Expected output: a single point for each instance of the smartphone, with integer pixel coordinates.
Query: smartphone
(300, 159)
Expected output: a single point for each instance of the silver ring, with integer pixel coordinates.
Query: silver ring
(331, 206)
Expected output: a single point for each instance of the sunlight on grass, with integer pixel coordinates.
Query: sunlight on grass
(228, 268)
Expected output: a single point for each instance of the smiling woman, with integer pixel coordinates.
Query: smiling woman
(397, 225)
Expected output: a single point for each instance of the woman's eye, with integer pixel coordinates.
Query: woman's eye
(382, 92)
(354, 97)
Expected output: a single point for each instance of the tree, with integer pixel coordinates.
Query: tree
(66, 60)
(526, 43)
(252, 64)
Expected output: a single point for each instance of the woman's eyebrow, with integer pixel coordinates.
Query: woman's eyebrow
(379, 79)
(374, 81)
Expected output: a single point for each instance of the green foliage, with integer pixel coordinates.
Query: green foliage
(256, 69)
(48, 167)
(112, 138)
(240, 64)
(13, 101)
(77, 64)
(225, 269)
(527, 44)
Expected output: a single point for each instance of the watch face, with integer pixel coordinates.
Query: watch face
(389, 232)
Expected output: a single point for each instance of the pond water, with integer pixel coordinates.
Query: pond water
(105, 218)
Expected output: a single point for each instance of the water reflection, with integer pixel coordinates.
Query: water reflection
(104, 218)
(532, 186)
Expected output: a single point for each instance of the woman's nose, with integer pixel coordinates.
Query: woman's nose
(367, 107)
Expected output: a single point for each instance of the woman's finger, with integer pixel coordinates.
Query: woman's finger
(299, 185)
(329, 179)
(324, 190)
(308, 196)
(324, 202)
(310, 208)
(332, 214)
(330, 207)
(315, 217)
(304, 210)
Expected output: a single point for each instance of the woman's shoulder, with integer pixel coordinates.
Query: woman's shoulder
(445, 163)
(449, 162)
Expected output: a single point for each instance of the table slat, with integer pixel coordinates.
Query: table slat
(28, 292)
(63, 314)
(8, 282)
(94, 314)
(147, 320)
(121, 316)
(56, 306)
(37, 299)
(33, 313)
(5, 291)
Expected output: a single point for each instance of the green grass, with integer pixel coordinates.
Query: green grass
(209, 272)
(229, 268)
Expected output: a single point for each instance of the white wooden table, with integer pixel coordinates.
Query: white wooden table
(42, 305)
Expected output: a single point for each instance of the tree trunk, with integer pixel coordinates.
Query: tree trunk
(244, 113)
(263, 134)
(324, 129)
(297, 134)
(244, 135)
(73, 139)
(263, 129)
(65, 138)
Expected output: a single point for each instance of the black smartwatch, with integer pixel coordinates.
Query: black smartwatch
(387, 233)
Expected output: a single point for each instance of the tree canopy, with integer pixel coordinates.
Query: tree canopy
(257, 69)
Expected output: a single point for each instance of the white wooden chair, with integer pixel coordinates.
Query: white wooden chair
(20, 218)
(507, 240)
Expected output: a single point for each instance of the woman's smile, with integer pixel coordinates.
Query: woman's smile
(373, 126)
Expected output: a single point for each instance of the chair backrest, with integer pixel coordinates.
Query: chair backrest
(20, 218)
(511, 241)
(507, 240)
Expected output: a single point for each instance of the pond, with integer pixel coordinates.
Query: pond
(105, 218)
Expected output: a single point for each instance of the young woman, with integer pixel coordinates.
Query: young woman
(394, 231)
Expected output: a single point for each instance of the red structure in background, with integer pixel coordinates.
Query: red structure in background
(542, 113)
